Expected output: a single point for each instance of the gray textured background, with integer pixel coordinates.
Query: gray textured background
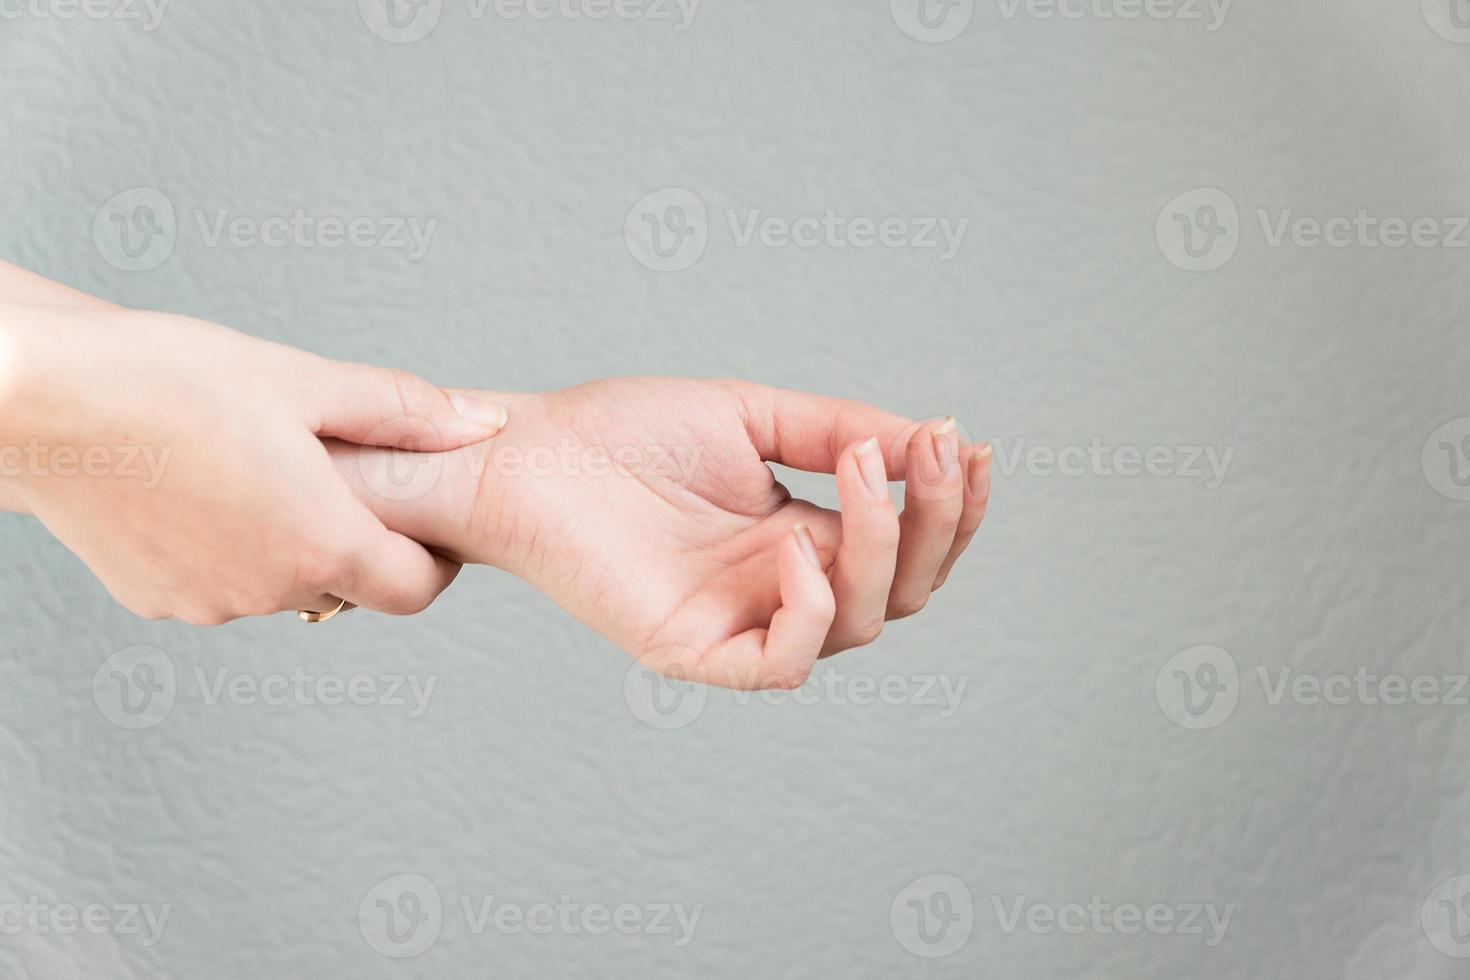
(798, 826)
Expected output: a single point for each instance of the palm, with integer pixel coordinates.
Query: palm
(656, 522)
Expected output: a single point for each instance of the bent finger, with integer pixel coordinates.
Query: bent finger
(782, 655)
(977, 501)
(933, 502)
(863, 574)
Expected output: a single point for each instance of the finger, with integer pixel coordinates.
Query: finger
(782, 655)
(375, 406)
(391, 573)
(809, 432)
(977, 499)
(863, 574)
(933, 501)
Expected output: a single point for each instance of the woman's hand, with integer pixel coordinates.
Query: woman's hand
(645, 508)
(181, 460)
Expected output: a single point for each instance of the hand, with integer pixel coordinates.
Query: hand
(645, 508)
(181, 460)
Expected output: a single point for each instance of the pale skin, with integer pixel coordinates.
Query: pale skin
(645, 507)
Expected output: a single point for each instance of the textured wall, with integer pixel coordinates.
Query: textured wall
(1048, 733)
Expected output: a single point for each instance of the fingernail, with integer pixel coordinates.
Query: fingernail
(874, 473)
(977, 479)
(808, 546)
(479, 411)
(946, 446)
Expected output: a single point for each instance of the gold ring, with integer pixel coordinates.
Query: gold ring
(307, 616)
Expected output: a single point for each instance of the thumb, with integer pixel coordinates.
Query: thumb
(374, 406)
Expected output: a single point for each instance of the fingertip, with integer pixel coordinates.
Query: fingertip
(486, 418)
(977, 473)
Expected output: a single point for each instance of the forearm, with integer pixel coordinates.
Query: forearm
(21, 287)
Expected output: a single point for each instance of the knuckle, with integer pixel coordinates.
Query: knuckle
(868, 632)
(887, 535)
(322, 569)
(788, 680)
(904, 606)
(946, 523)
(204, 617)
(410, 602)
(406, 391)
